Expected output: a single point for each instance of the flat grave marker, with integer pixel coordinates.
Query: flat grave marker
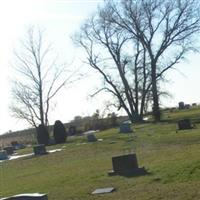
(32, 196)
(103, 190)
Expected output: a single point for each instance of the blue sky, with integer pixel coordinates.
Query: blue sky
(61, 18)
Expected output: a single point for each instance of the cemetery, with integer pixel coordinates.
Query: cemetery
(110, 70)
(153, 161)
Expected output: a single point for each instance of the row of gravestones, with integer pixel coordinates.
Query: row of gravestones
(125, 165)
(39, 149)
(16, 145)
(124, 128)
(9, 150)
(182, 105)
(182, 125)
(59, 136)
(59, 133)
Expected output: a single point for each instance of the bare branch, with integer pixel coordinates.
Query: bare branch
(39, 81)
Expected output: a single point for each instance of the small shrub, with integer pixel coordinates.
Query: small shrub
(42, 135)
(59, 132)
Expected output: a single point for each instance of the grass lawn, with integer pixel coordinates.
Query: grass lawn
(171, 158)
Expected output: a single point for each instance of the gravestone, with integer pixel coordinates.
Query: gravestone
(33, 196)
(91, 137)
(9, 150)
(72, 130)
(125, 127)
(187, 106)
(39, 149)
(184, 124)
(124, 162)
(181, 105)
(17, 145)
(14, 143)
(126, 165)
(3, 155)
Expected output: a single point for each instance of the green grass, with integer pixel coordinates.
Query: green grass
(171, 158)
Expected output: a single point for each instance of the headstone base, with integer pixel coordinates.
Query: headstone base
(39, 149)
(130, 172)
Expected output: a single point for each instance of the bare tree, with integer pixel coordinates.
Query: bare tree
(38, 79)
(110, 52)
(165, 28)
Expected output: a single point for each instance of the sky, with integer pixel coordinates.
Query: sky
(61, 19)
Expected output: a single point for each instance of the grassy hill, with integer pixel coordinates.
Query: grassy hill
(171, 158)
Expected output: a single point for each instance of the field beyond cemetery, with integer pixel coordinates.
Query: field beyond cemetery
(171, 158)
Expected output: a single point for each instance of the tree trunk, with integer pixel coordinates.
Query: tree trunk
(41, 110)
(41, 100)
(156, 108)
